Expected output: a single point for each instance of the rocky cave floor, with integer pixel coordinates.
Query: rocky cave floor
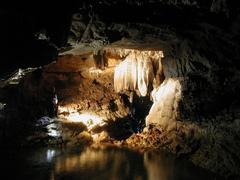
(210, 143)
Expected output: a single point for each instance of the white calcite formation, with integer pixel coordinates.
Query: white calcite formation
(139, 71)
(165, 103)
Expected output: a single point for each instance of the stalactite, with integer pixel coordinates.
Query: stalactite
(100, 59)
(136, 72)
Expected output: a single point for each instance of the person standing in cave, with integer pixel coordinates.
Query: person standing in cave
(133, 106)
(54, 104)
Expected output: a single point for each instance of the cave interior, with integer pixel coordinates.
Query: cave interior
(144, 74)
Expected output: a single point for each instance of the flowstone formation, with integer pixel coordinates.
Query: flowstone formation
(166, 98)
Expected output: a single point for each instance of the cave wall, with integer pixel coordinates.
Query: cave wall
(209, 67)
(199, 41)
(105, 20)
(82, 21)
(32, 33)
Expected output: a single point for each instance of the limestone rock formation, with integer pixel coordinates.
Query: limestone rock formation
(136, 72)
(166, 97)
(140, 71)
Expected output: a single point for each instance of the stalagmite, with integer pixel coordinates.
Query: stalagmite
(165, 103)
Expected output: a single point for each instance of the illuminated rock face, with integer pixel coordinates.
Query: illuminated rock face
(142, 71)
(139, 71)
(165, 107)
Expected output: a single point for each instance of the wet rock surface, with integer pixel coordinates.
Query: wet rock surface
(207, 144)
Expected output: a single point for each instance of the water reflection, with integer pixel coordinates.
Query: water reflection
(105, 163)
(50, 154)
(117, 164)
(159, 165)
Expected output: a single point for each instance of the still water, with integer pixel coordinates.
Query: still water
(103, 163)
